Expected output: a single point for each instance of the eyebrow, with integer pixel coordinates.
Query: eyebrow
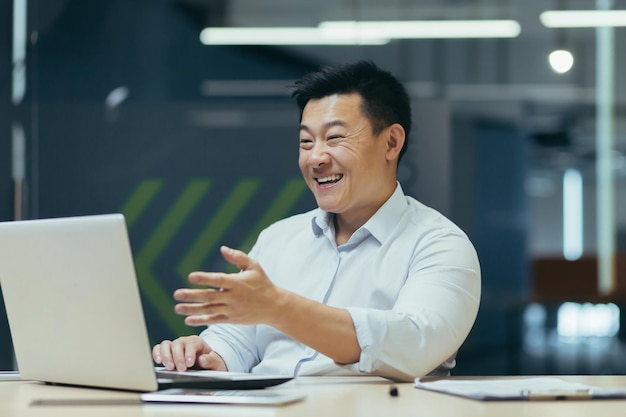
(326, 125)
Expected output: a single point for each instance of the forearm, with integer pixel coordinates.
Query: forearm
(328, 330)
(423, 330)
(402, 346)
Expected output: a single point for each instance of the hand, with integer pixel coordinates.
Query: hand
(246, 297)
(187, 352)
(249, 297)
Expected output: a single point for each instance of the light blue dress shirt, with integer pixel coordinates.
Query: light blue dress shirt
(409, 277)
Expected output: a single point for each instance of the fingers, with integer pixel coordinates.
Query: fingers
(205, 306)
(237, 258)
(222, 281)
(196, 296)
(214, 315)
(156, 354)
(171, 355)
(204, 309)
(212, 280)
(162, 354)
(192, 350)
(178, 355)
(182, 353)
(203, 314)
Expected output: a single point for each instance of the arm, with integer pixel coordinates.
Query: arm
(431, 317)
(249, 297)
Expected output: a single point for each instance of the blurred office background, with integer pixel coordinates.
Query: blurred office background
(123, 106)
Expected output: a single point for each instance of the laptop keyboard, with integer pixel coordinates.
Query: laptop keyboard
(176, 376)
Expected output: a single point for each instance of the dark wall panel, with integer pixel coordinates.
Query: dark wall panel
(189, 172)
(489, 202)
(6, 185)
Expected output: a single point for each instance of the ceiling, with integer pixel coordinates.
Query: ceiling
(499, 78)
(507, 79)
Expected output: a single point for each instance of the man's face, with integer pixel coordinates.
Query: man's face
(342, 162)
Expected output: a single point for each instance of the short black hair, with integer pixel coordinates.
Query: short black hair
(385, 100)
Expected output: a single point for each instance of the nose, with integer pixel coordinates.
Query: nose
(318, 155)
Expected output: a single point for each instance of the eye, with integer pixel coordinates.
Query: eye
(306, 143)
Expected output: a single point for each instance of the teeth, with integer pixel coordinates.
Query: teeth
(334, 177)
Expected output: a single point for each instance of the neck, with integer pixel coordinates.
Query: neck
(346, 224)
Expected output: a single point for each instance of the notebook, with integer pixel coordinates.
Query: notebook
(74, 309)
(510, 389)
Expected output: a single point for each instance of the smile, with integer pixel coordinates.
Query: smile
(331, 179)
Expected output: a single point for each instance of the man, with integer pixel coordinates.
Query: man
(370, 282)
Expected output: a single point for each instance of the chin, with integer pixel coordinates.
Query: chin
(330, 208)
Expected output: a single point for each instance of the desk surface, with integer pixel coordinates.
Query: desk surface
(326, 396)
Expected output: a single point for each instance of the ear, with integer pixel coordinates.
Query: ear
(395, 141)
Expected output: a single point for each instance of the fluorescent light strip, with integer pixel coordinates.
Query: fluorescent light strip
(284, 36)
(360, 32)
(20, 42)
(583, 18)
(427, 29)
(572, 215)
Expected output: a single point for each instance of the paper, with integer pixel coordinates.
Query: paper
(248, 397)
(540, 388)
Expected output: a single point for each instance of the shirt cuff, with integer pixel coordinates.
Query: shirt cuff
(370, 326)
(230, 357)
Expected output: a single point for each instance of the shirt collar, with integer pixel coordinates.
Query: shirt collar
(380, 225)
(321, 222)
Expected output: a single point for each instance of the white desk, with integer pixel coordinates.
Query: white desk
(326, 397)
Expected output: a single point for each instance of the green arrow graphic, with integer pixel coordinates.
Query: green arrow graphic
(281, 206)
(139, 200)
(154, 246)
(214, 231)
(207, 240)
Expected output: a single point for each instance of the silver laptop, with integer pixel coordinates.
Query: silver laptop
(75, 313)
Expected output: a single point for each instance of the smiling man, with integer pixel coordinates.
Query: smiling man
(370, 282)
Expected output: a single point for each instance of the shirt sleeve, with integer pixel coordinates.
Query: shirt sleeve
(235, 344)
(431, 318)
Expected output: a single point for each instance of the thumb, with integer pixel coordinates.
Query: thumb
(236, 257)
(211, 361)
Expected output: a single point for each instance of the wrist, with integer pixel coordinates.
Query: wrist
(281, 309)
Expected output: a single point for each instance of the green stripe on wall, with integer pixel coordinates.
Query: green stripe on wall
(139, 200)
(212, 235)
(154, 246)
(281, 206)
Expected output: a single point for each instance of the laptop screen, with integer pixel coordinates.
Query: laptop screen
(73, 302)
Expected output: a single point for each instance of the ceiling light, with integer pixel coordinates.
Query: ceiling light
(285, 36)
(561, 60)
(582, 18)
(360, 32)
(427, 29)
